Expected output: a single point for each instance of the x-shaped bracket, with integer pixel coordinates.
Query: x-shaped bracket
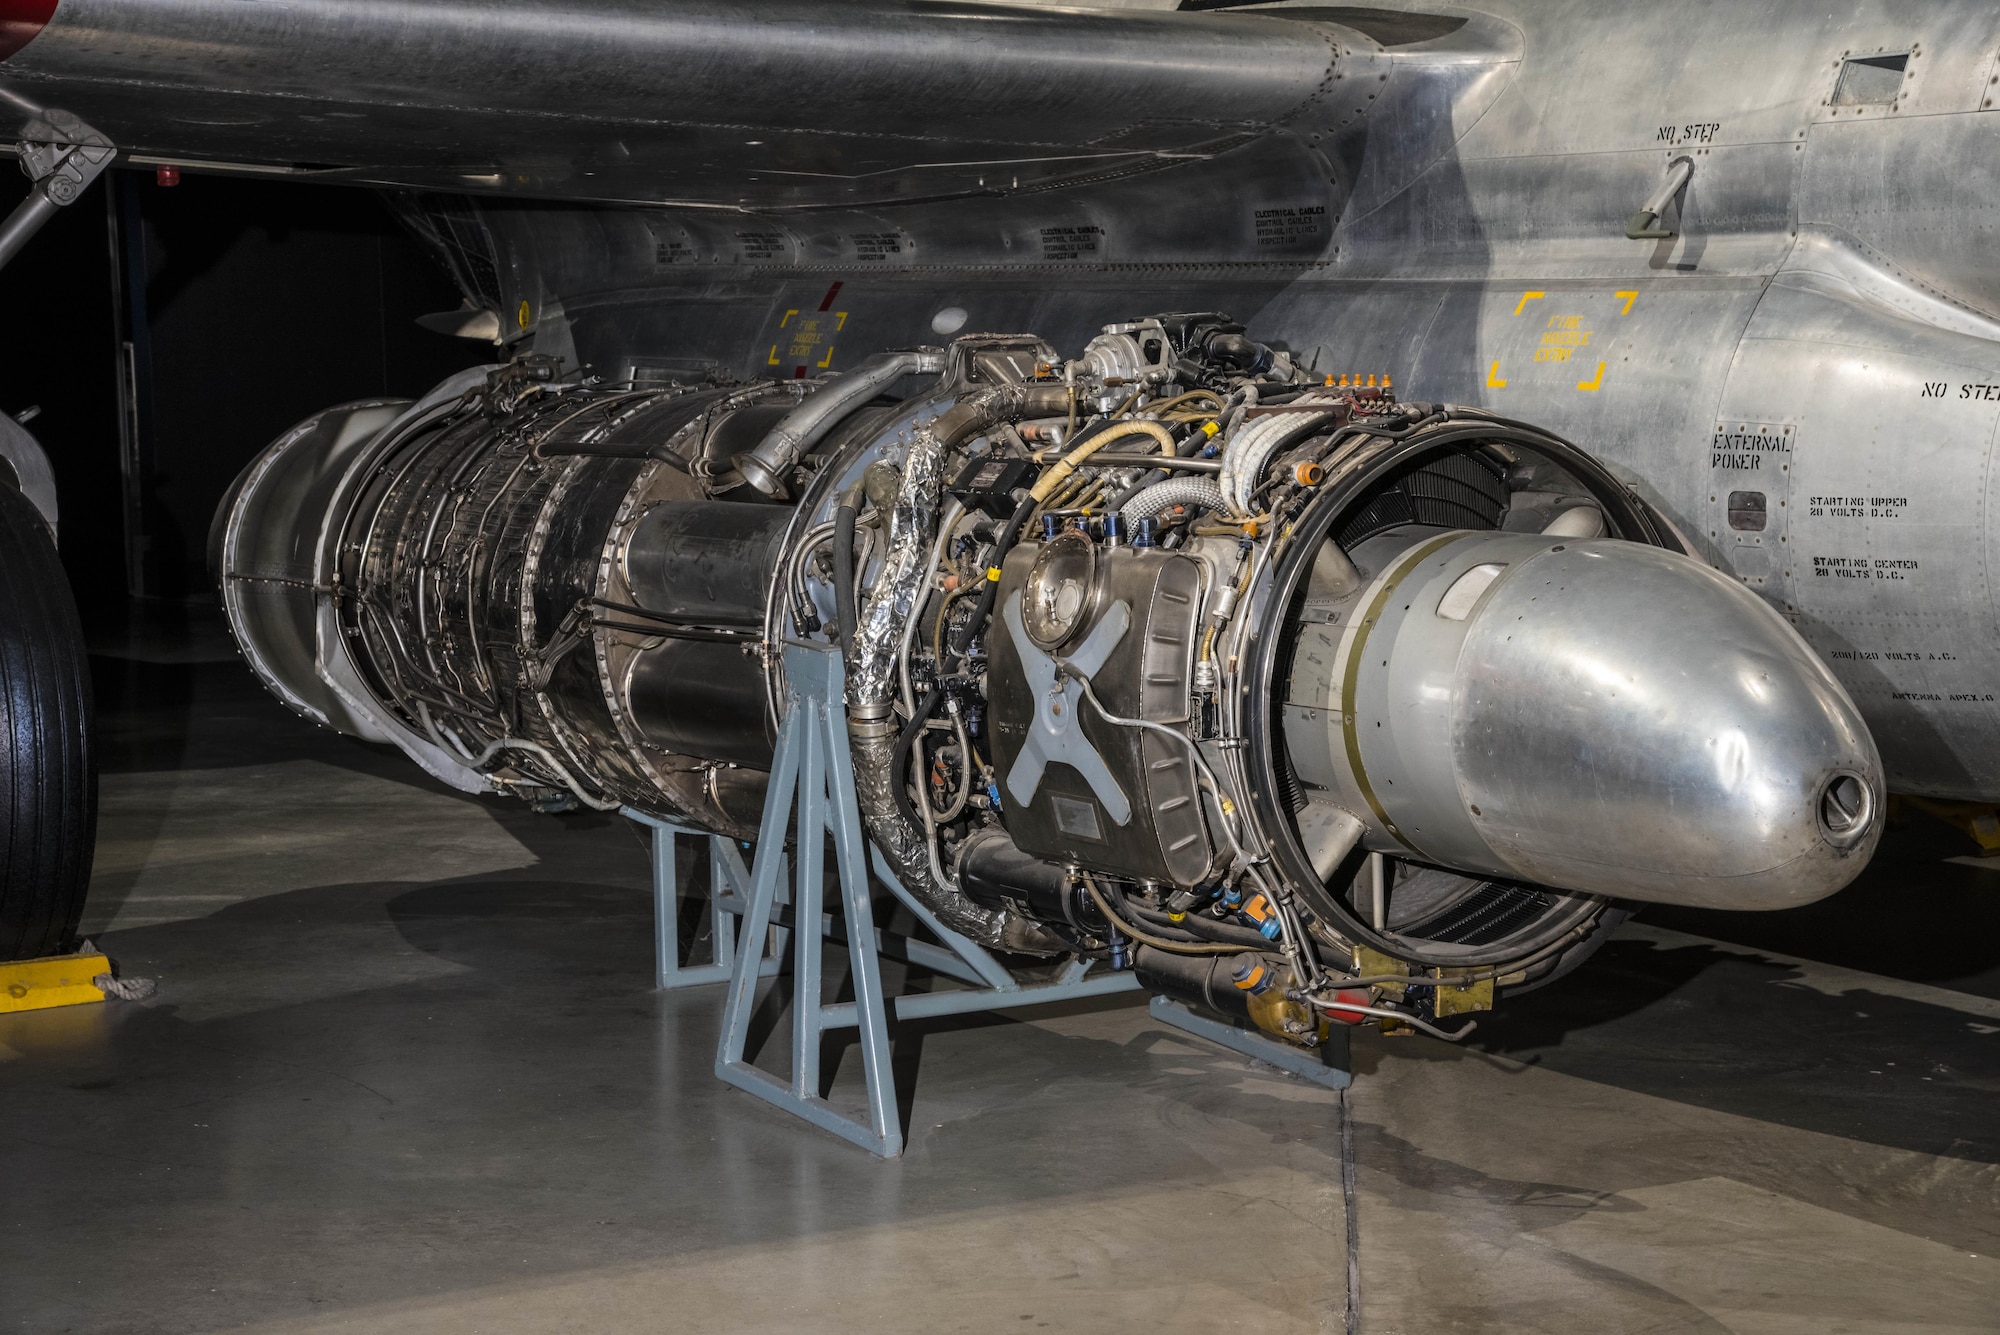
(1056, 733)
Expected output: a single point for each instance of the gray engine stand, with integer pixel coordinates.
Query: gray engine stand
(811, 795)
(1323, 1066)
(728, 881)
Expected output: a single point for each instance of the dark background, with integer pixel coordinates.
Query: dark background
(250, 305)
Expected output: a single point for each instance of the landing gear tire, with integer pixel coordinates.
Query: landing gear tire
(48, 776)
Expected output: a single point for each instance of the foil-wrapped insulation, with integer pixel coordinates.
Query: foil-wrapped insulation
(897, 595)
(899, 586)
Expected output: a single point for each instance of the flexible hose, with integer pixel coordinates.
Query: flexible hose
(1253, 448)
(1147, 938)
(1181, 400)
(984, 607)
(843, 571)
(899, 763)
(1054, 477)
(1123, 498)
(1162, 496)
(944, 620)
(1201, 927)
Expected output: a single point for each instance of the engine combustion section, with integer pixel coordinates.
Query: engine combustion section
(1308, 704)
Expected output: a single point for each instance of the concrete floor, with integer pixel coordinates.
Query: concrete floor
(406, 1072)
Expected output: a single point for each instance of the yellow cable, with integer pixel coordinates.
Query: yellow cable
(1054, 477)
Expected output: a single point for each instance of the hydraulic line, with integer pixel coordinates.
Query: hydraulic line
(1560, 944)
(1147, 938)
(843, 568)
(1054, 477)
(535, 749)
(964, 793)
(946, 522)
(1001, 546)
(906, 740)
(1199, 927)
(1222, 802)
(1165, 406)
(944, 620)
(1401, 1017)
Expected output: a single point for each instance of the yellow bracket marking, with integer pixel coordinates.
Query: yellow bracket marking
(1595, 382)
(841, 323)
(787, 320)
(1527, 297)
(774, 356)
(827, 360)
(1630, 297)
(1493, 379)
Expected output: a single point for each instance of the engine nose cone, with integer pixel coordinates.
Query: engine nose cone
(1627, 721)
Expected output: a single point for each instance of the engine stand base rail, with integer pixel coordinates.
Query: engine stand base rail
(1323, 1065)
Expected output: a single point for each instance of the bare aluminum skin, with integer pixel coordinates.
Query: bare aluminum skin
(1606, 717)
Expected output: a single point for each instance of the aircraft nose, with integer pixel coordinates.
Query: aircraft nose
(1628, 721)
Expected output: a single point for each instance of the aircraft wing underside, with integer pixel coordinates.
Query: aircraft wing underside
(774, 104)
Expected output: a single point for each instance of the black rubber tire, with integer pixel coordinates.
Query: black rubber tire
(48, 776)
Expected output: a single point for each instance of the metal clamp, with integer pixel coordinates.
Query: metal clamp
(1642, 225)
(62, 155)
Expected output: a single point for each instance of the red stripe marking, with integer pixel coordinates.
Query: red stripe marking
(831, 292)
(20, 20)
(798, 373)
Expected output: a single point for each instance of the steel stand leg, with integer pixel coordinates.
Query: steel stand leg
(812, 749)
(729, 883)
(812, 788)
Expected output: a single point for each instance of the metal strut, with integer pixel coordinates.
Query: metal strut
(62, 155)
(811, 795)
(729, 888)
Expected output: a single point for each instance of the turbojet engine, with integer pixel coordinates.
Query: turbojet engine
(1307, 704)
